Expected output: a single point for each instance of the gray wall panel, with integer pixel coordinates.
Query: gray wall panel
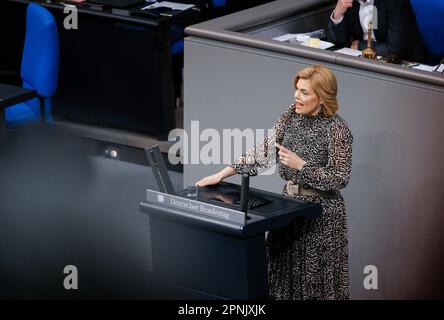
(394, 197)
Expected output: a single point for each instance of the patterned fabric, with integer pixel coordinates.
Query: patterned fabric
(309, 258)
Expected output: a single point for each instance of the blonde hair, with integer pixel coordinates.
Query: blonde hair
(324, 84)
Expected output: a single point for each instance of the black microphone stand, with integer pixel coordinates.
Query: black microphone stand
(245, 187)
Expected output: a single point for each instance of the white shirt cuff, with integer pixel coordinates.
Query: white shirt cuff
(336, 21)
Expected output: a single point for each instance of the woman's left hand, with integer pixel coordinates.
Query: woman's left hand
(289, 158)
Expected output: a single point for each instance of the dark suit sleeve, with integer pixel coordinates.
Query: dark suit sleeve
(397, 30)
(339, 34)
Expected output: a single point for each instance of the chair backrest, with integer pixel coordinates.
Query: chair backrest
(430, 19)
(219, 3)
(40, 60)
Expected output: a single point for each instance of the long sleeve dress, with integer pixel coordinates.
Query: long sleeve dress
(309, 258)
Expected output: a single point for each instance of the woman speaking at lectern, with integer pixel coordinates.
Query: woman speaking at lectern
(309, 258)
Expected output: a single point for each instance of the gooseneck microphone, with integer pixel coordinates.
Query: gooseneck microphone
(245, 187)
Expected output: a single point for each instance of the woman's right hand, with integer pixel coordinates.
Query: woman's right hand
(210, 180)
(216, 178)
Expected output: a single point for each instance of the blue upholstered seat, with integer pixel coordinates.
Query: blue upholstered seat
(40, 65)
(219, 3)
(430, 19)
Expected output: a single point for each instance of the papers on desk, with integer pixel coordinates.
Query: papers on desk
(354, 53)
(428, 68)
(74, 1)
(168, 4)
(424, 67)
(304, 40)
(292, 36)
(324, 45)
(350, 52)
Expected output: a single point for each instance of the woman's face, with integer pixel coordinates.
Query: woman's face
(307, 102)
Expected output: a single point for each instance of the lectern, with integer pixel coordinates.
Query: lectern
(205, 247)
(211, 243)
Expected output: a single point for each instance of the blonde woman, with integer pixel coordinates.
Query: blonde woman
(309, 258)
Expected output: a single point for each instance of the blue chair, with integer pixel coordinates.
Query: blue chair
(176, 36)
(429, 16)
(40, 67)
(219, 3)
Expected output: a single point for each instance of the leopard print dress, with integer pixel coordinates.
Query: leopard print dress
(309, 258)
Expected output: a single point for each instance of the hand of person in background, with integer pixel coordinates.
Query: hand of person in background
(355, 45)
(289, 158)
(341, 8)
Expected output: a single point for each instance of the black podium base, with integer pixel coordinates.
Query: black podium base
(203, 248)
(194, 262)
